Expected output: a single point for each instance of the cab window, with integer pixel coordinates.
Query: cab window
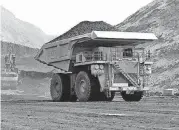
(127, 52)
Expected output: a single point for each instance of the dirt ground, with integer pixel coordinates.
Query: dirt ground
(27, 112)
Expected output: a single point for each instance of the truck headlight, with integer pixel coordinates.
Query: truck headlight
(96, 67)
(101, 67)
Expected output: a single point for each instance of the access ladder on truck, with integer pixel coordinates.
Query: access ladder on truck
(126, 75)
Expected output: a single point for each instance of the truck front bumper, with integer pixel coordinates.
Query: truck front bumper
(124, 87)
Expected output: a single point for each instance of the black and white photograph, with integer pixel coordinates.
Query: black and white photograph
(89, 64)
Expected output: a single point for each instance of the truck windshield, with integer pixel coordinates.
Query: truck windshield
(127, 52)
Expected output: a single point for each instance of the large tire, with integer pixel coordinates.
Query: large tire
(103, 96)
(137, 96)
(59, 90)
(85, 88)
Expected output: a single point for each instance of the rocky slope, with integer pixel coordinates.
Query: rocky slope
(86, 27)
(17, 31)
(162, 18)
(24, 57)
(18, 50)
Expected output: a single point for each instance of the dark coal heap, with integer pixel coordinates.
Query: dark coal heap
(86, 27)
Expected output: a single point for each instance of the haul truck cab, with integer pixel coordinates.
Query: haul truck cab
(93, 66)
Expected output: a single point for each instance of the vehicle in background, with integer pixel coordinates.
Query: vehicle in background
(9, 73)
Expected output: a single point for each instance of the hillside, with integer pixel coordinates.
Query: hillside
(86, 27)
(162, 18)
(24, 57)
(17, 31)
(18, 50)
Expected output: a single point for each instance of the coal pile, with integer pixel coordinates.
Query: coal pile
(86, 27)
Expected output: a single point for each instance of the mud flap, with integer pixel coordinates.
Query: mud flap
(129, 92)
(102, 82)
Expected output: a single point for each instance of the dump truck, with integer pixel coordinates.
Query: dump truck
(96, 65)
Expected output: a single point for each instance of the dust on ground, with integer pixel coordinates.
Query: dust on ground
(29, 88)
(30, 107)
(150, 113)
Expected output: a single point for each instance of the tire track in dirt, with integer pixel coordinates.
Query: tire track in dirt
(44, 114)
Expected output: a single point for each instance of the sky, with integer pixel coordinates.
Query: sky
(55, 17)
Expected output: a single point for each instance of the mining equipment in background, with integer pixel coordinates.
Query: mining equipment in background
(9, 73)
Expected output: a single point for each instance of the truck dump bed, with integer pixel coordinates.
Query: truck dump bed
(59, 53)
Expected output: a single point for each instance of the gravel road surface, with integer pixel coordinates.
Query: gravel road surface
(159, 113)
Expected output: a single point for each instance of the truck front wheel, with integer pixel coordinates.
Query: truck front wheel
(83, 86)
(137, 96)
(58, 90)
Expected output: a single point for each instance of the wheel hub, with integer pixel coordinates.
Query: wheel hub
(57, 87)
(56, 90)
(82, 86)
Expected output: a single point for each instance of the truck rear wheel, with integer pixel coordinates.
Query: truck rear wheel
(84, 87)
(58, 90)
(137, 96)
